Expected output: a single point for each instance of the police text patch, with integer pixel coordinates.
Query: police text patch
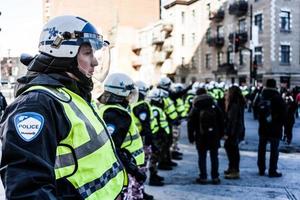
(28, 125)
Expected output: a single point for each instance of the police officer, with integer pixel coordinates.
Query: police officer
(55, 146)
(160, 132)
(119, 92)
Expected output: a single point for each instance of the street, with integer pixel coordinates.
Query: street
(181, 185)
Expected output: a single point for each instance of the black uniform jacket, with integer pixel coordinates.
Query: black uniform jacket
(142, 112)
(118, 123)
(27, 167)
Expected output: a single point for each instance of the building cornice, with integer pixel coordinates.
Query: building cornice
(180, 2)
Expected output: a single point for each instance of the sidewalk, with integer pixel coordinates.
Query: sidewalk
(181, 185)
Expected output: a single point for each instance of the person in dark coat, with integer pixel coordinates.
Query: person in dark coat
(270, 130)
(206, 140)
(291, 107)
(234, 131)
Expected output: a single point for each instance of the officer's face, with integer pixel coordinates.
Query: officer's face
(86, 60)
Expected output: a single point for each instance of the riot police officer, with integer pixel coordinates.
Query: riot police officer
(55, 146)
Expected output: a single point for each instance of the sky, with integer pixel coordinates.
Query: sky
(21, 23)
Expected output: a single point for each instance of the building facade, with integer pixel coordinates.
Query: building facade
(235, 39)
(117, 20)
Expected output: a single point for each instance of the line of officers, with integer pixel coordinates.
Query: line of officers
(60, 144)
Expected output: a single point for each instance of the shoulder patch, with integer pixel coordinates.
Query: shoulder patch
(111, 128)
(28, 125)
(143, 116)
(155, 113)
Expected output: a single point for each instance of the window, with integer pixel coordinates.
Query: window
(258, 55)
(242, 25)
(182, 17)
(220, 58)
(241, 57)
(220, 32)
(193, 38)
(208, 34)
(207, 61)
(285, 54)
(258, 22)
(182, 39)
(230, 57)
(194, 14)
(182, 61)
(285, 21)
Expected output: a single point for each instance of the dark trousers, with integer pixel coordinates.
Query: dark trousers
(214, 162)
(288, 131)
(233, 154)
(261, 158)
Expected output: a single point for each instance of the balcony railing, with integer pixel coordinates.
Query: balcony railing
(226, 68)
(159, 57)
(136, 49)
(167, 27)
(216, 41)
(243, 37)
(158, 38)
(136, 62)
(238, 8)
(168, 46)
(217, 16)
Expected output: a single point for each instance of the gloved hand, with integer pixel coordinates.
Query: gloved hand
(176, 122)
(140, 176)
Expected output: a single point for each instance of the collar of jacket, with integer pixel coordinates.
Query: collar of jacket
(52, 79)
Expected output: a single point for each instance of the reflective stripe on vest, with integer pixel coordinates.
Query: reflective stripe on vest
(161, 119)
(169, 108)
(86, 157)
(133, 141)
(180, 107)
(188, 103)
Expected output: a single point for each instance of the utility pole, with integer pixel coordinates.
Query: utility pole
(251, 51)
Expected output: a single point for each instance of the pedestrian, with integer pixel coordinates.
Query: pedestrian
(271, 118)
(291, 107)
(48, 130)
(119, 92)
(234, 130)
(3, 103)
(205, 128)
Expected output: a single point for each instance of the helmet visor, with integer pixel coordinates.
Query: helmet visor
(133, 95)
(101, 53)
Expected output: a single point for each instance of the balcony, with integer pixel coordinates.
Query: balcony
(217, 42)
(238, 8)
(136, 49)
(136, 62)
(159, 57)
(217, 16)
(226, 68)
(168, 27)
(243, 37)
(168, 46)
(158, 38)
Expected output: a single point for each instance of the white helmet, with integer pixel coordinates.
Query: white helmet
(142, 86)
(165, 83)
(121, 85)
(177, 87)
(62, 36)
(156, 94)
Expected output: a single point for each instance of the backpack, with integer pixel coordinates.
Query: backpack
(264, 110)
(208, 120)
